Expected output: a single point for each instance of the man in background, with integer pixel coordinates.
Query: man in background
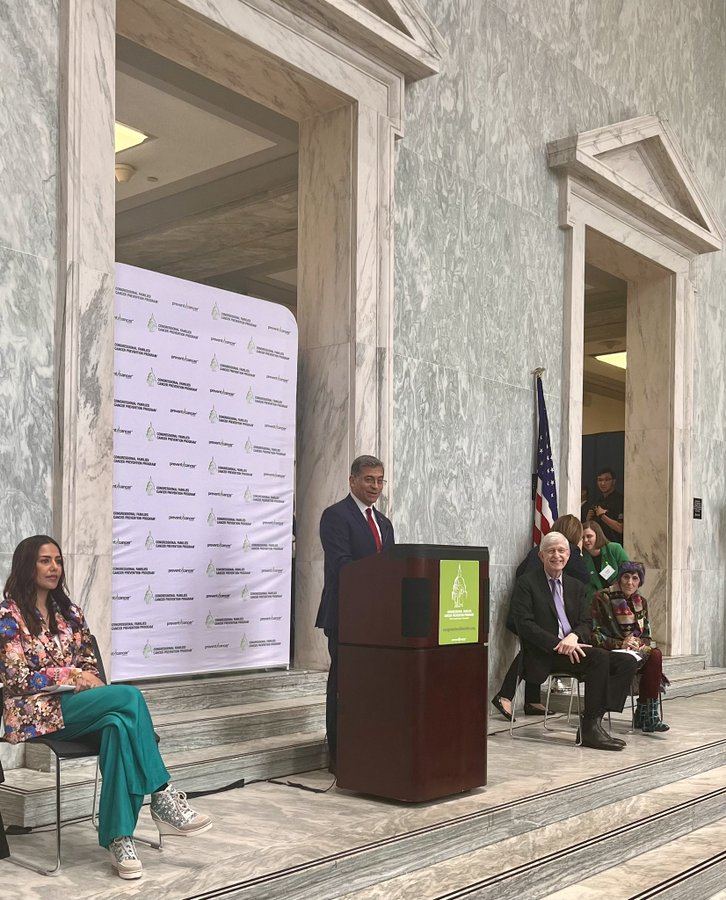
(350, 529)
(608, 507)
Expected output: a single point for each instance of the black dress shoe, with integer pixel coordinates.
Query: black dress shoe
(497, 702)
(531, 710)
(606, 734)
(594, 737)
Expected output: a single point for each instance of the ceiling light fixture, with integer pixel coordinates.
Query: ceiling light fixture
(615, 359)
(126, 137)
(124, 172)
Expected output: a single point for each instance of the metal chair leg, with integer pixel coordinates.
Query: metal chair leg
(57, 867)
(547, 702)
(514, 706)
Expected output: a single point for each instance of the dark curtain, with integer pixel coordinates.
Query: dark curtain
(598, 451)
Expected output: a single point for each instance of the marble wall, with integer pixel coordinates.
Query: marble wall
(480, 261)
(28, 258)
(28, 233)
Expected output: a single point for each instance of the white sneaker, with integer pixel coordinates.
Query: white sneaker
(173, 815)
(124, 858)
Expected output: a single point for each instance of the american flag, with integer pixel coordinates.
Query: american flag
(545, 498)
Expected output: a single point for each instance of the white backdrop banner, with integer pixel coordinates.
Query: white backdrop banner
(204, 437)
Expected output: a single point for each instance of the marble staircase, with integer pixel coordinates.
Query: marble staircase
(529, 847)
(553, 821)
(213, 732)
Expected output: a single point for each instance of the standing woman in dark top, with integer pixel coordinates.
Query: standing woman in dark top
(571, 528)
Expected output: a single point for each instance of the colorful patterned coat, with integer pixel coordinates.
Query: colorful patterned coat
(28, 663)
(615, 618)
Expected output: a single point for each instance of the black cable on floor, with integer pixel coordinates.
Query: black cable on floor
(303, 787)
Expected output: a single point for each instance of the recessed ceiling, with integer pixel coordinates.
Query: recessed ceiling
(183, 139)
(606, 306)
(214, 195)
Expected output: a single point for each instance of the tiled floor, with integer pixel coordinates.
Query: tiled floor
(265, 826)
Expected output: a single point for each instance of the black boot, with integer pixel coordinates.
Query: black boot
(607, 734)
(592, 735)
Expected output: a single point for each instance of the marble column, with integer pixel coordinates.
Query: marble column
(343, 290)
(82, 491)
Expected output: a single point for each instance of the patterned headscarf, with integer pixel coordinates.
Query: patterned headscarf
(632, 566)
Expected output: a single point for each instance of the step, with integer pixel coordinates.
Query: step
(28, 797)
(677, 666)
(301, 708)
(693, 865)
(559, 854)
(213, 692)
(211, 729)
(686, 684)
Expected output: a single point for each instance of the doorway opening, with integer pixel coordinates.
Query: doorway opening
(209, 194)
(603, 384)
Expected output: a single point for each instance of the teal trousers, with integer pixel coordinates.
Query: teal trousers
(130, 762)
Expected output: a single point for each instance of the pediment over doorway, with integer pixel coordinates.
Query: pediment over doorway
(641, 165)
(396, 32)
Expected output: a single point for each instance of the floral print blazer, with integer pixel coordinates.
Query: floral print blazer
(29, 663)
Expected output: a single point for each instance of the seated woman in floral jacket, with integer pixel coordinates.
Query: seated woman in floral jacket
(51, 684)
(620, 623)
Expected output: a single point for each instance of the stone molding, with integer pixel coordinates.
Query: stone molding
(400, 35)
(632, 204)
(640, 166)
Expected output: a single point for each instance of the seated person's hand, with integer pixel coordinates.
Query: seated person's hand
(86, 680)
(571, 647)
(631, 643)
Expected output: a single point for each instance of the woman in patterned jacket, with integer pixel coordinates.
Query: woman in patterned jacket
(51, 684)
(620, 623)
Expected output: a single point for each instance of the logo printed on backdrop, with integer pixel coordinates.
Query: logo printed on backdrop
(169, 548)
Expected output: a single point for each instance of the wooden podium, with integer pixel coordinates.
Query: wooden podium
(412, 672)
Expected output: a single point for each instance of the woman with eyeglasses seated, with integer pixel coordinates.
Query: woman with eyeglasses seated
(620, 623)
(51, 685)
(602, 558)
(571, 527)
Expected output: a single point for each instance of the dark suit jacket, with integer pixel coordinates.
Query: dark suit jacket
(575, 568)
(533, 610)
(345, 536)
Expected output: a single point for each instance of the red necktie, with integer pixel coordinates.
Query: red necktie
(372, 526)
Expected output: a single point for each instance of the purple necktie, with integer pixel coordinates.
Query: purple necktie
(560, 606)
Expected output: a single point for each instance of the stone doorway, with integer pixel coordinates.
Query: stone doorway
(633, 208)
(337, 71)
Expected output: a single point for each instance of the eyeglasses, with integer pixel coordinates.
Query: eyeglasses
(370, 481)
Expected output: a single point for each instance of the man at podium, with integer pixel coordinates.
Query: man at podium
(350, 529)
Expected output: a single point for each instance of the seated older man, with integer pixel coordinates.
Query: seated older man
(554, 624)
